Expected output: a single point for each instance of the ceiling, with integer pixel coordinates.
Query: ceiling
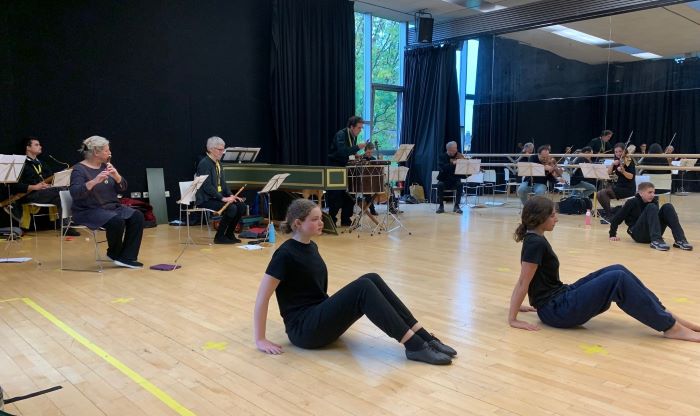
(666, 31)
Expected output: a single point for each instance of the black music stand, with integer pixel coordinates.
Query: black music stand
(272, 185)
(241, 154)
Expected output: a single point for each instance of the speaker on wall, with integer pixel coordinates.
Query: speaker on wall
(425, 29)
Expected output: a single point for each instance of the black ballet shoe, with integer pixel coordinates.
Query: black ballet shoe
(429, 355)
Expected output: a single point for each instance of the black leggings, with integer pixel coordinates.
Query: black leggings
(369, 295)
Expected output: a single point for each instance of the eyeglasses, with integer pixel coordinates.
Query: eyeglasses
(221, 149)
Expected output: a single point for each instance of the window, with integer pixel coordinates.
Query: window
(467, 58)
(379, 46)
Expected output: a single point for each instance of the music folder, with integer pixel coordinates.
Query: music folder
(61, 179)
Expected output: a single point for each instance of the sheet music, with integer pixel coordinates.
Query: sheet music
(190, 194)
(403, 152)
(594, 171)
(274, 183)
(11, 167)
(530, 169)
(467, 166)
(62, 178)
(241, 154)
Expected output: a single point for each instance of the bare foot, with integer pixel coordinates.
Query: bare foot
(678, 331)
(687, 324)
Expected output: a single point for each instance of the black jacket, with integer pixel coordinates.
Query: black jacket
(630, 212)
(447, 169)
(342, 145)
(34, 171)
(598, 145)
(209, 190)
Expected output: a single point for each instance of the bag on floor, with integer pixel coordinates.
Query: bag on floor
(417, 192)
(574, 205)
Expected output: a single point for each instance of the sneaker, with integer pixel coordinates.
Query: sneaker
(659, 245)
(683, 245)
(440, 210)
(131, 264)
(604, 220)
(457, 210)
(429, 355)
(437, 345)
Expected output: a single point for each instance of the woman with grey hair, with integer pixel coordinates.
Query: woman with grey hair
(214, 193)
(94, 185)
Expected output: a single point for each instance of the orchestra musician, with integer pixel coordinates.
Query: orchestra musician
(35, 180)
(94, 185)
(341, 147)
(214, 194)
(622, 171)
(583, 186)
(447, 180)
(539, 184)
(598, 144)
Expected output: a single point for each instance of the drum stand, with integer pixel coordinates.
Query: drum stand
(391, 221)
(357, 175)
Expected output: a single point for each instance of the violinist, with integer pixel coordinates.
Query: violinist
(539, 184)
(447, 178)
(622, 171)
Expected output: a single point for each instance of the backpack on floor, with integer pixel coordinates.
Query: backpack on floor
(574, 205)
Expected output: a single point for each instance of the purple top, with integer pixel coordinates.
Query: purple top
(95, 207)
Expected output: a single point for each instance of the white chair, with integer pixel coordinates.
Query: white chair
(187, 206)
(474, 182)
(39, 206)
(67, 221)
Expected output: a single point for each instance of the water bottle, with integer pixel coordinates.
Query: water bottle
(588, 217)
(271, 233)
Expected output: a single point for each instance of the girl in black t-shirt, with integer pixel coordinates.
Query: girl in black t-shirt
(565, 306)
(299, 278)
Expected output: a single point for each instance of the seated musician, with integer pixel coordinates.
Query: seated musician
(539, 184)
(94, 185)
(643, 148)
(582, 186)
(341, 147)
(447, 180)
(647, 222)
(599, 144)
(622, 171)
(369, 199)
(654, 149)
(214, 194)
(34, 180)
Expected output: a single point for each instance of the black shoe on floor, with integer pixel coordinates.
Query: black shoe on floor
(429, 355)
(659, 245)
(440, 210)
(131, 264)
(683, 245)
(458, 210)
(225, 240)
(437, 345)
(71, 232)
(235, 239)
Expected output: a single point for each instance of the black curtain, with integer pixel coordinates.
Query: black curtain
(312, 76)
(431, 108)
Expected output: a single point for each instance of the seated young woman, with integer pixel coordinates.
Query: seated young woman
(312, 319)
(565, 306)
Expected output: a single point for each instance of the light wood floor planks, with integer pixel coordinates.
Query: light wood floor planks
(188, 332)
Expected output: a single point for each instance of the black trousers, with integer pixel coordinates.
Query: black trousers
(650, 226)
(229, 218)
(321, 324)
(455, 185)
(124, 237)
(340, 201)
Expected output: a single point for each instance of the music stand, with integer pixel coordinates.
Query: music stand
(272, 185)
(598, 172)
(61, 179)
(241, 154)
(686, 163)
(470, 168)
(403, 153)
(10, 170)
(188, 197)
(394, 174)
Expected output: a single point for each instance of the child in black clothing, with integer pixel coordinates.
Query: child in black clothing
(565, 306)
(299, 278)
(647, 222)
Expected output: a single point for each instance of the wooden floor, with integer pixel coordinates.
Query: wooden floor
(144, 342)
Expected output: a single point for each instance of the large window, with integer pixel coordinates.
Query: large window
(379, 46)
(466, 71)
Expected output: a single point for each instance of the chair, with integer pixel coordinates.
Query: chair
(490, 183)
(187, 206)
(33, 209)
(67, 221)
(506, 185)
(474, 182)
(433, 188)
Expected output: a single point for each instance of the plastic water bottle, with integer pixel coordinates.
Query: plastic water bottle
(588, 217)
(271, 233)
